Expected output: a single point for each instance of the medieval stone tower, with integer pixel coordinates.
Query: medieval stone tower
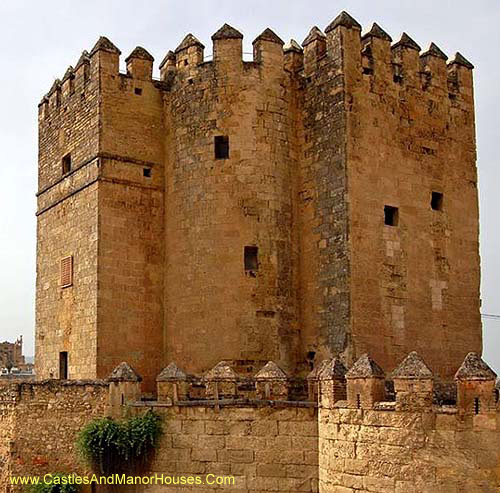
(316, 201)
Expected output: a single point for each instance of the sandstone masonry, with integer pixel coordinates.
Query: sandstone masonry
(357, 431)
(279, 257)
(317, 201)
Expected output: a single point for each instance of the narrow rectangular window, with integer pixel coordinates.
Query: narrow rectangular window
(251, 260)
(146, 172)
(66, 271)
(221, 145)
(477, 405)
(391, 215)
(63, 365)
(66, 164)
(437, 201)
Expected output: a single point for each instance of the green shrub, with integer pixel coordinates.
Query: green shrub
(52, 487)
(109, 446)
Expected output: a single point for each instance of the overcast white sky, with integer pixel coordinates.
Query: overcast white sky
(39, 39)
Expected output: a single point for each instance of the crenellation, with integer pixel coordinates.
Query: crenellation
(365, 384)
(406, 59)
(140, 64)
(336, 444)
(377, 58)
(54, 96)
(268, 53)
(271, 383)
(67, 83)
(105, 58)
(189, 54)
(293, 55)
(460, 79)
(434, 69)
(314, 50)
(228, 50)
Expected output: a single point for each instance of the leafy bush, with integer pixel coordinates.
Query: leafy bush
(53, 487)
(109, 446)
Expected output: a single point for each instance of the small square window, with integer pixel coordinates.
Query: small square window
(391, 215)
(221, 145)
(66, 164)
(146, 172)
(138, 91)
(437, 201)
(66, 272)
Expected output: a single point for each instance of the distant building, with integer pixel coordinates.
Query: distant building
(11, 354)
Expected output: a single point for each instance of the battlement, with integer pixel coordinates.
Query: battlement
(409, 388)
(370, 57)
(274, 437)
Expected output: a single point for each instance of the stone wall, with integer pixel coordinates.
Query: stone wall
(217, 207)
(264, 449)
(66, 318)
(390, 451)
(6, 431)
(39, 423)
(321, 139)
(366, 443)
(107, 213)
(410, 132)
(131, 222)
(324, 261)
(67, 223)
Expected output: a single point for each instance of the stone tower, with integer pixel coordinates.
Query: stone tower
(314, 202)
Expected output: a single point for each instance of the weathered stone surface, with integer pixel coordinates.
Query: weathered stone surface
(104, 44)
(227, 32)
(412, 367)
(292, 45)
(462, 61)
(271, 371)
(84, 59)
(269, 35)
(11, 353)
(189, 41)
(334, 369)
(407, 42)
(124, 373)
(141, 53)
(315, 373)
(315, 34)
(344, 20)
(171, 373)
(435, 51)
(221, 371)
(169, 56)
(474, 368)
(365, 367)
(158, 227)
(392, 447)
(377, 32)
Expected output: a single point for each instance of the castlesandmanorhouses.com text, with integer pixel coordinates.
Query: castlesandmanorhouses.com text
(123, 479)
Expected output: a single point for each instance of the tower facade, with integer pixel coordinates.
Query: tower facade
(317, 201)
